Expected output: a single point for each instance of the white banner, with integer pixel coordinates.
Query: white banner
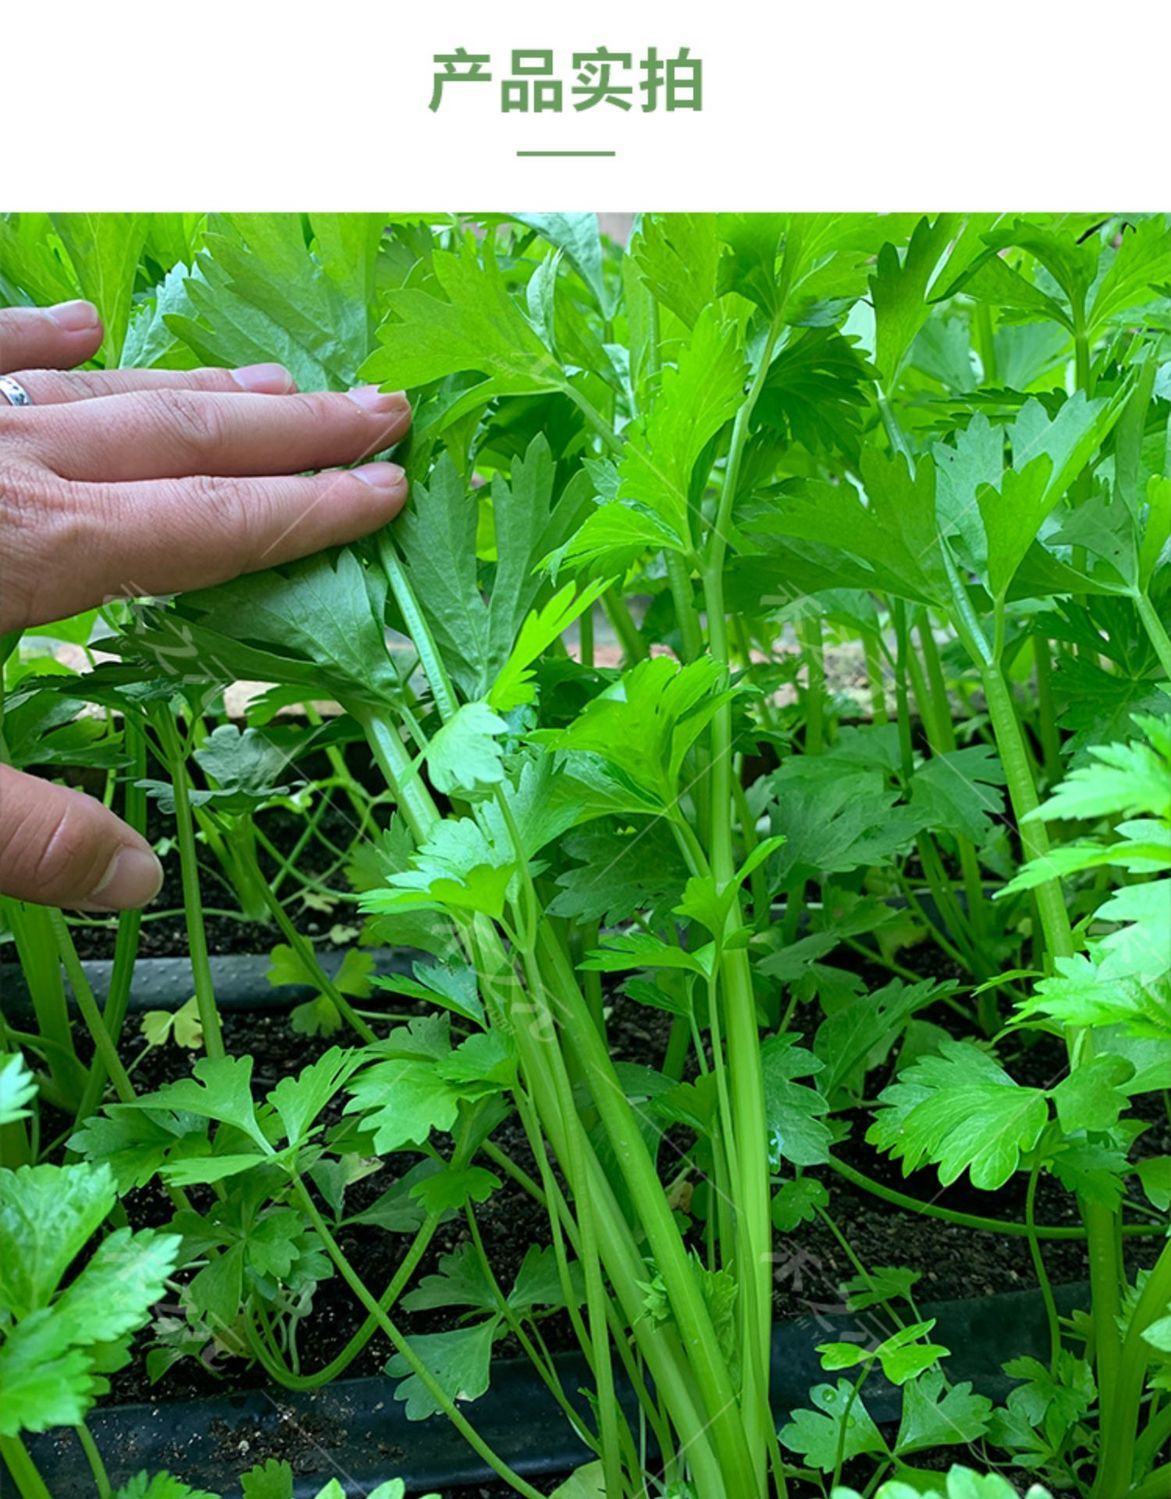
(805, 104)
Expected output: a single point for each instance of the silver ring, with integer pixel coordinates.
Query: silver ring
(14, 392)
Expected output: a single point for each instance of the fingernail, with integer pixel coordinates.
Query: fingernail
(264, 379)
(380, 402)
(133, 877)
(74, 317)
(385, 477)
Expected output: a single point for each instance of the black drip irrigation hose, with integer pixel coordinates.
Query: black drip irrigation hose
(355, 1431)
(240, 980)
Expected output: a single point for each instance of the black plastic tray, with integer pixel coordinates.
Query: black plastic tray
(355, 1430)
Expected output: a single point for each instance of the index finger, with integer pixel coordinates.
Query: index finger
(168, 535)
(59, 387)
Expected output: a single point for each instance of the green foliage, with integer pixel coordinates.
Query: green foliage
(458, 1361)
(269, 1480)
(677, 255)
(902, 1356)
(959, 1483)
(316, 625)
(837, 1429)
(162, 1486)
(645, 724)
(475, 614)
(462, 319)
(961, 1112)
(816, 393)
(794, 1111)
(696, 397)
(243, 768)
(839, 811)
(264, 288)
(56, 1340)
(17, 1088)
(465, 755)
(420, 1080)
(103, 249)
(1129, 967)
(680, 512)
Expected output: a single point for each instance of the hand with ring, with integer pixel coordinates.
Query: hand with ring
(129, 482)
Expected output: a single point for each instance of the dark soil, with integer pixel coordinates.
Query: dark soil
(954, 1261)
(811, 1263)
(163, 936)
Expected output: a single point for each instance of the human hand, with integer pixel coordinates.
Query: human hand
(129, 482)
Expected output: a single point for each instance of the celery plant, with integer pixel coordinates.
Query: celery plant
(635, 475)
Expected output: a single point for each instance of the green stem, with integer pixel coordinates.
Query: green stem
(1155, 1436)
(751, 1188)
(94, 1458)
(941, 734)
(613, 1431)
(671, 1257)
(599, 1338)
(402, 775)
(1046, 711)
(205, 1001)
(859, 1268)
(846, 1423)
(1101, 1224)
(622, 623)
(813, 652)
(875, 679)
(1083, 372)
(894, 432)
(758, 883)
(682, 594)
(286, 864)
(129, 927)
(539, 1358)
(1122, 1395)
(586, 637)
(931, 927)
(985, 342)
(933, 710)
(1156, 1485)
(1084, 378)
(627, 1271)
(354, 791)
(37, 950)
(1039, 1260)
(403, 1348)
(1156, 634)
(727, 1129)
(316, 975)
(1023, 796)
(595, 418)
(561, 1223)
(903, 657)
(678, 1387)
(972, 1220)
(416, 626)
(341, 1361)
(951, 913)
(623, 1264)
(235, 851)
(88, 1005)
(23, 1470)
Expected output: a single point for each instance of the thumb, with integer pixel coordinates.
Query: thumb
(62, 848)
